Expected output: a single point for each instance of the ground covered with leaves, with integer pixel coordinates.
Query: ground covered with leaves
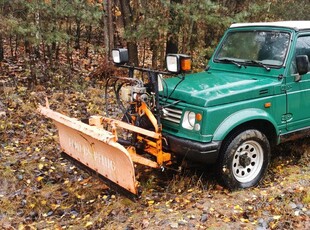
(41, 190)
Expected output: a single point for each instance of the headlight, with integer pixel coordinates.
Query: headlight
(178, 63)
(120, 56)
(172, 64)
(189, 120)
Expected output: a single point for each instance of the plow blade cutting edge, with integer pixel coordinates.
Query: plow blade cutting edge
(95, 148)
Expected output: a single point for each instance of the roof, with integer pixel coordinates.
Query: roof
(296, 25)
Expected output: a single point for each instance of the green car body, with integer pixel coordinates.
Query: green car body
(236, 93)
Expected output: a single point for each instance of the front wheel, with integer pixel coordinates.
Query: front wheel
(244, 159)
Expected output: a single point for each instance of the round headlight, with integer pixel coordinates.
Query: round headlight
(189, 119)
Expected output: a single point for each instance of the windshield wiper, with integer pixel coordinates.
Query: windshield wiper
(230, 61)
(258, 63)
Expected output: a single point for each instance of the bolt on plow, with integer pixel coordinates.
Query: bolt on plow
(95, 142)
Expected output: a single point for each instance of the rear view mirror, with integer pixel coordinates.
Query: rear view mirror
(302, 62)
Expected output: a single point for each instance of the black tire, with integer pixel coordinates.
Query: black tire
(244, 159)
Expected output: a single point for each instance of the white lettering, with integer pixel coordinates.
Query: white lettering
(86, 151)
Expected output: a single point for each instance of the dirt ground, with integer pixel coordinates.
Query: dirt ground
(41, 190)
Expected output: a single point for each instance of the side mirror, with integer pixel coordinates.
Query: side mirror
(302, 62)
(120, 56)
(178, 63)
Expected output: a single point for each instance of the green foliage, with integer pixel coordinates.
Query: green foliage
(47, 21)
(290, 10)
(194, 25)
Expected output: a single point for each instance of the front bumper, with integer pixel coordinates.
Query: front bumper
(193, 150)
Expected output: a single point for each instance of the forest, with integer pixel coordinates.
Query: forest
(61, 50)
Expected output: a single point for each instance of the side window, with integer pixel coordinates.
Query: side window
(302, 48)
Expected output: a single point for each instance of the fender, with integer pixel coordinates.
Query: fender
(241, 117)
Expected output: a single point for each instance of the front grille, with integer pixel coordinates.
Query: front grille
(172, 114)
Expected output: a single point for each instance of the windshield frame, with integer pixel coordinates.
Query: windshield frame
(246, 62)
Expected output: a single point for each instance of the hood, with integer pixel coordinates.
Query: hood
(217, 88)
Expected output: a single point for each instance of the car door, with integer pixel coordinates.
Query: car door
(298, 90)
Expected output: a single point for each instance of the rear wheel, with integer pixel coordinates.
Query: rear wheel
(244, 159)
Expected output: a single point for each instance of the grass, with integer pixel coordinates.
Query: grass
(306, 198)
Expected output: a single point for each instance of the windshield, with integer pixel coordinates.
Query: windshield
(265, 47)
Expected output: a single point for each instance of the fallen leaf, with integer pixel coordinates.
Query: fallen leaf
(150, 202)
(227, 219)
(237, 207)
(43, 202)
(89, 223)
(39, 178)
(244, 220)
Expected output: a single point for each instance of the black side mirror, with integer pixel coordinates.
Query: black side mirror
(302, 62)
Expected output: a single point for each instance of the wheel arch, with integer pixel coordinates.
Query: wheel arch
(248, 119)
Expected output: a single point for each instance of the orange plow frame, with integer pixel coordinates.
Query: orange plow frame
(99, 150)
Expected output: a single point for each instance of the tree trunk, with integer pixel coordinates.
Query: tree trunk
(109, 29)
(106, 30)
(78, 33)
(27, 46)
(111, 26)
(38, 35)
(128, 24)
(89, 33)
(154, 48)
(68, 51)
(16, 46)
(11, 46)
(1, 48)
(172, 37)
(172, 45)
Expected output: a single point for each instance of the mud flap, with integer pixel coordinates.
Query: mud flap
(96, 148)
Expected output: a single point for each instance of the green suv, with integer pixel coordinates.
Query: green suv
(253, 94)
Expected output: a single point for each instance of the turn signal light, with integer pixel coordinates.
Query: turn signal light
(186, 64)
(198, 117)
(267, 105)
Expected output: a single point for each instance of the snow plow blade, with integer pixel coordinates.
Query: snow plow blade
(95, 148)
